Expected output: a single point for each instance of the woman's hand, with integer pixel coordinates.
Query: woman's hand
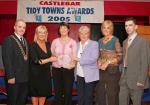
(76, 59)
(47, 60)
(53, 59)
(99, 65)
(104, 65)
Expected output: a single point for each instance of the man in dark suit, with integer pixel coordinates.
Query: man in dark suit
(134, 77)
(15, 60)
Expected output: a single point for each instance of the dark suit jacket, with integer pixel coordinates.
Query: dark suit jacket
(138, 62)
(14, 63)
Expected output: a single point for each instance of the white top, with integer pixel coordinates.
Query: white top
(79, 54)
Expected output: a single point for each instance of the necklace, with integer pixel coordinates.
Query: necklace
(64, 40)
(24, 53)
(106, 39)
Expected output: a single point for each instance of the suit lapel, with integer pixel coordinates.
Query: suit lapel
(16, 37)
(24, 47)
(134, 41)
(86, 47)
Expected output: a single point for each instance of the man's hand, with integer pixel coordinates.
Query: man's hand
(11, 81)
(140, 85)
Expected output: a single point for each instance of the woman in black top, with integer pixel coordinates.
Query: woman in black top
(40, 61)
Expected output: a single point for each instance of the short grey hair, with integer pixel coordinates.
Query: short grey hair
(84, 29)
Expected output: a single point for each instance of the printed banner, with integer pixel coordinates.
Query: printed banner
(61, 10)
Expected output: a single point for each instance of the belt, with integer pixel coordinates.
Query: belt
(124, 69)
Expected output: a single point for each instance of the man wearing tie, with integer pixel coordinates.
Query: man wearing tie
(15, 59)
(134, 77)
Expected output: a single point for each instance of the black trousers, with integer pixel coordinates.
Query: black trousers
(107, 89)
(63, 83)
(85, 91)
(17, 93)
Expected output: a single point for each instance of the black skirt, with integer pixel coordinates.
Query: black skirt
(40, 83)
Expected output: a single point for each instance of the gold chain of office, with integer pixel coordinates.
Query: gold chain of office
(25, 54)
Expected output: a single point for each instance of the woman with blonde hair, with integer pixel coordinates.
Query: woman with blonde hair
(40, 61)
(107, 89)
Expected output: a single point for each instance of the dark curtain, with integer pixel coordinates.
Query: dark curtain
(7, 23)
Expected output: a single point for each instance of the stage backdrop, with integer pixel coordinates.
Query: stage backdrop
(91, 11)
